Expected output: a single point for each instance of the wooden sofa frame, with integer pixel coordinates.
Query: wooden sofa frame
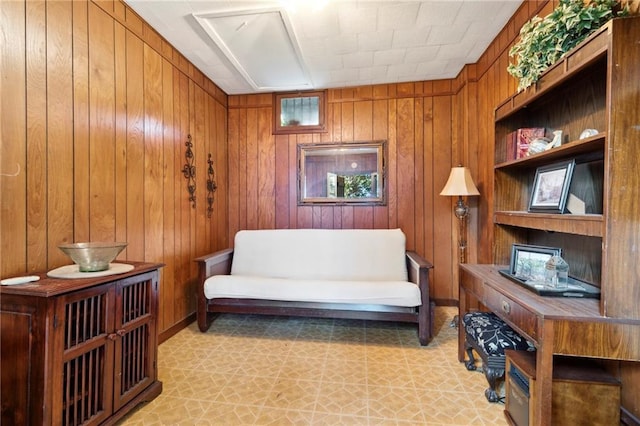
(219, 263)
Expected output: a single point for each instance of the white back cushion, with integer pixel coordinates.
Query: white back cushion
(321, 254)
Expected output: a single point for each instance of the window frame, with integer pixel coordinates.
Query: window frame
(279, 129)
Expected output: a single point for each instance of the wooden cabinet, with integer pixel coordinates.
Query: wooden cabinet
(595, 86)
(583, 393)
(79, 351)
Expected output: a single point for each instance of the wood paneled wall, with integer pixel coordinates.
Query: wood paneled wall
(415, 119)
(96, 109)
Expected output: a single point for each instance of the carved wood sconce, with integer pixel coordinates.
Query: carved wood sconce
(189, 172)
(211, 186)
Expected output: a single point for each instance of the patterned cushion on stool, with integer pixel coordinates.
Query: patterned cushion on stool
(493, 334)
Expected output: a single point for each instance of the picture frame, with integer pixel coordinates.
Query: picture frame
(528, 261)
(551, 187)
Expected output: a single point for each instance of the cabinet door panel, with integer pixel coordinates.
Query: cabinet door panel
(135, 363)
(18, 343)
(83, 385)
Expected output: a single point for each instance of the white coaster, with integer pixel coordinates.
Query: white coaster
(73, 271)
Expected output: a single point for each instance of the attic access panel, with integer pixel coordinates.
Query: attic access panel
(261, 44)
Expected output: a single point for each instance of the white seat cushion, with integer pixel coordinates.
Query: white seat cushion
(393, 293)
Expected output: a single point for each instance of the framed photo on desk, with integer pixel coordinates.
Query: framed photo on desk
(528, 262)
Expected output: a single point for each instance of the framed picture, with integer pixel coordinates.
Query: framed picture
(528, 262)
(551, 187)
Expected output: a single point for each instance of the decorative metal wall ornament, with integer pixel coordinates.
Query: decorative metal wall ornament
(211, 186)
(189, 172)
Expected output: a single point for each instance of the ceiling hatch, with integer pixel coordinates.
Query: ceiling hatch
(262, 45)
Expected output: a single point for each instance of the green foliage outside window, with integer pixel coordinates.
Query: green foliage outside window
(357, 186)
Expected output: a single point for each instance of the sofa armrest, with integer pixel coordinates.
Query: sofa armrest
(418, 271)
(418, 268)
(218, 263)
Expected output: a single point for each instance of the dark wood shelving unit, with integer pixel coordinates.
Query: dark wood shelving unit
(595, 86)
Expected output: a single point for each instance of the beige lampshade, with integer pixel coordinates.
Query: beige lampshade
(460, 183)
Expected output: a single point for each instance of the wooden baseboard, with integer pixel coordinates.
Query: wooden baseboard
(174, 329)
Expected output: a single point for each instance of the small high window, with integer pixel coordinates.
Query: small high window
(300, 112)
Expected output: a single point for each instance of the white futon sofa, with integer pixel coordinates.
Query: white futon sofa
(339, 273)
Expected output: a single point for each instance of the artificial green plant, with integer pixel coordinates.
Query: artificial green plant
(543, 41)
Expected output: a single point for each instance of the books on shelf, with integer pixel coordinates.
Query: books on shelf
(518, 141)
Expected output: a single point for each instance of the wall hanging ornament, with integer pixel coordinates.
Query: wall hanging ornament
(211, 186)
(189, 172)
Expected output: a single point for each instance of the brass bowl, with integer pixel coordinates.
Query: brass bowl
(92, 257)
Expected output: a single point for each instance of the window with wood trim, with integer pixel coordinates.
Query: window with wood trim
(300, 112)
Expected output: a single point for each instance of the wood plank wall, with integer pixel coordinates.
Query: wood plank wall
(96, 109)
(416, 121)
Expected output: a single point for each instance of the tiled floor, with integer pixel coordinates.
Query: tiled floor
(259, 370)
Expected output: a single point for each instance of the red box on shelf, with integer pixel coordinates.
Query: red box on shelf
(518, 141)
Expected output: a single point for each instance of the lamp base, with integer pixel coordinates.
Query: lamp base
(461, 210)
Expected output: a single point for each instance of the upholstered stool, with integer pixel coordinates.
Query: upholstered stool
(490, 336)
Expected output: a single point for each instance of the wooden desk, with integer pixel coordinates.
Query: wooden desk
(567, 326)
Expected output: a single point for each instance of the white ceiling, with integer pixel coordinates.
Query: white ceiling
(342, 43)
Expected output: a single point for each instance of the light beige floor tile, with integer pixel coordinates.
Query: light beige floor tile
(203, 386)
(221, 361)
(292, 394)
(331, 419)
(260, 370)
(387, 354)
(297, 367)
(398, 403)
(355, 352)
(344, 371)
(428, 355)
(259, 364)
(280, 417)
(450, 408)
(245, 390)
(436, 378)
(389, 374)
(342, 399)
(306, 348)
(220, 414)
(168, 411)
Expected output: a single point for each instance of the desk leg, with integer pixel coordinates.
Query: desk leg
(544, 376)
(462, 309)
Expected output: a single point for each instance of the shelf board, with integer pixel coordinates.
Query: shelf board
(584, 224)
(568, 150)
